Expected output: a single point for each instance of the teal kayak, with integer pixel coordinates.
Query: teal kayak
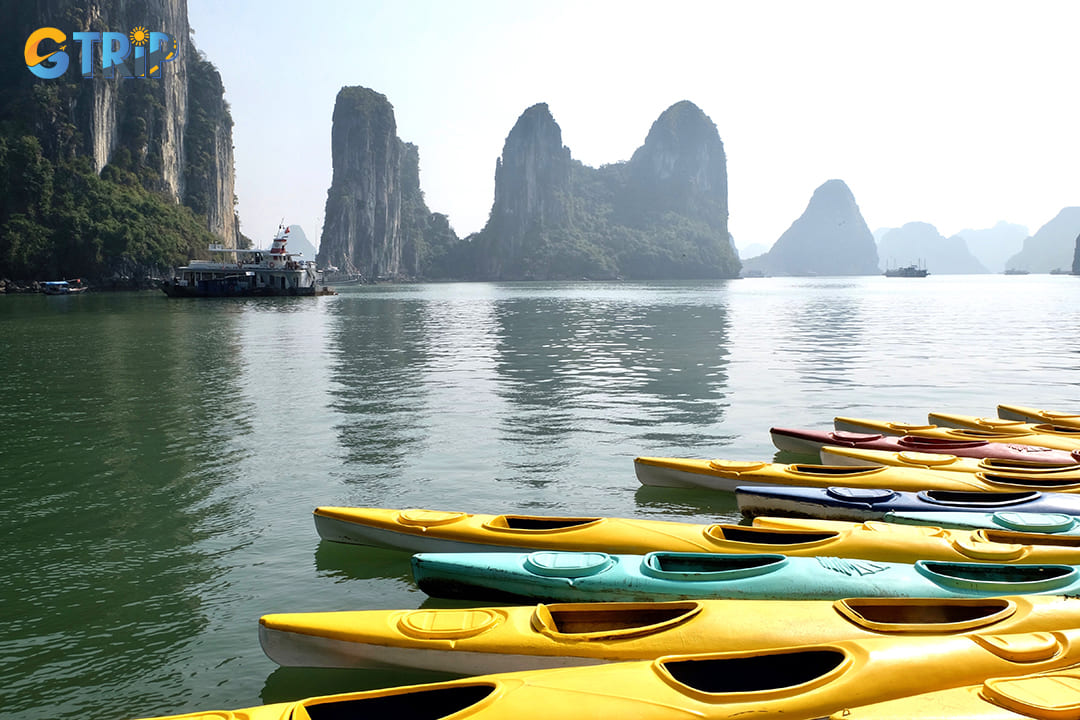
(553, 576)
(1044, 523)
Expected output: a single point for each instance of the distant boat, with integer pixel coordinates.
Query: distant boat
(907, 271)
(1016, 271)
(1060, 271)
(63, 287)
(272, 272)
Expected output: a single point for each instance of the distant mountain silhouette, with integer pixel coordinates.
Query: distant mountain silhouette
(1051, 247)
(298, 243)
(829, 238)
(919, 243)
(993, 246)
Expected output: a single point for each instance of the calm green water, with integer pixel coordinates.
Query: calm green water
(161, 458)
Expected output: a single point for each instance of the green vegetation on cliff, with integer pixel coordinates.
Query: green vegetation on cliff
(108, 179)
(60, 219)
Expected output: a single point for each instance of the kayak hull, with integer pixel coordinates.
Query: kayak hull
(569, 577)
(502, 639)
(1035, 415)
(794, 682)
(1047, 523)
(1041, 696)
(811, 442)
(1026, 434)
(442, 531)
(832, 455)
(860, 504)
(901, 474)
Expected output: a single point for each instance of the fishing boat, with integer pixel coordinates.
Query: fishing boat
(960, 443)
(728, 475)
(907, 271)
(858, 504)
(461, 532)
(1041, 696)
(253, 273)
(834, 455)
(1041, 436)
(63, 287)
(1035, 415)
(482, 640)
(1046, 523)
(794, 682)
(548, 576)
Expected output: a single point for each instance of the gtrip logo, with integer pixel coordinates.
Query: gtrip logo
(137, 54)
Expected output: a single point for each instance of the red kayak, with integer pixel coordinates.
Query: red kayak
(809, 442)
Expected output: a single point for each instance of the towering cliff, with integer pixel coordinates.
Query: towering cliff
(1076, 257)
(921, 243)
(377, 222)
(532, 187)
(152, 143)
(681, 167)
(663, 214)
(829, 238)
(1052, 247)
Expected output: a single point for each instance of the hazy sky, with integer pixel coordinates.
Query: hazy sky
(954, 113)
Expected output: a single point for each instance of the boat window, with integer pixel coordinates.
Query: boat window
(416, 705)
(587, 620)
(754, 673)
(767, 536)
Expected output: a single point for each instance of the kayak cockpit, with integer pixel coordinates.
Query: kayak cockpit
(701, 567)
(921, 616)
(420, 704)
(767, 536)
(594, 621)
(757, 673)
(835, 470)
(1039, 480)
(960, 498)
(1036, 539)
(539, 523)
(999, 578)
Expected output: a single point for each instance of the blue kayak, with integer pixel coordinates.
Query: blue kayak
(859, 504)
(551, 576)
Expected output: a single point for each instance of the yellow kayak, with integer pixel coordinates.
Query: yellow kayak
(437, 531)
(1035, 415)
(975, 545)
(1039, 435)
(835, 455)
(728, 475)
(478, 641)
(800, 682)
(1043, 696)
(995, 424)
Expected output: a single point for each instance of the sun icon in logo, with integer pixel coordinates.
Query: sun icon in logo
(139, 36)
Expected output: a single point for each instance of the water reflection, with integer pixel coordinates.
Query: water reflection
(340, 561)
(624, 363)
(287, 684)
(376, 345)
(118, 445)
